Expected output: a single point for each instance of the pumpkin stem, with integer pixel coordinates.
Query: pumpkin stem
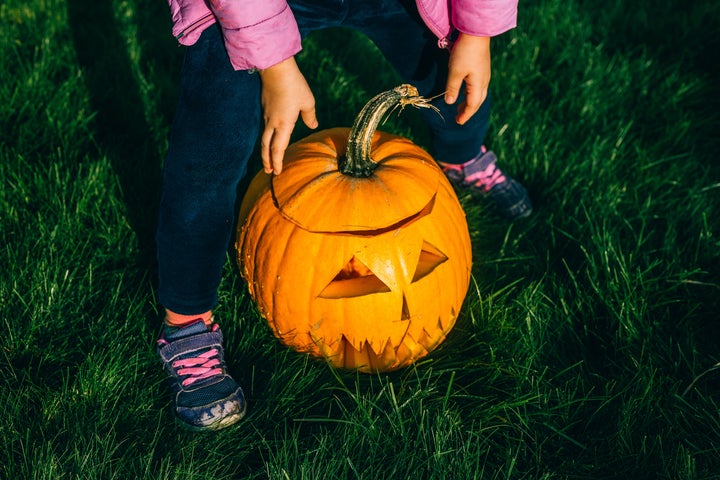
(357, 162)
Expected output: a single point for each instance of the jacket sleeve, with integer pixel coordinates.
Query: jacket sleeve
(486, 18)
(257, 33)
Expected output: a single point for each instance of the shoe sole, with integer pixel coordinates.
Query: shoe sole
(230, 419)
(224, 422)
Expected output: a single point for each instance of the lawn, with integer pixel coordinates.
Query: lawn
(589, 342)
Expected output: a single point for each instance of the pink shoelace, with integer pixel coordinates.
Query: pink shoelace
(199, 367)
(487, 178)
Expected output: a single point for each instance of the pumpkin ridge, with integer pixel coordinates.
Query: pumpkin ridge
(299, 229)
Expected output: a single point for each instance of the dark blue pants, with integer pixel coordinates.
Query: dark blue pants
(218, 119)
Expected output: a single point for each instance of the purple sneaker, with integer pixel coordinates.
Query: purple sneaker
(205, 396)
(481, 175)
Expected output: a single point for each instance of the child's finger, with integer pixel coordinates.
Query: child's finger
(278, 145)
(473, 100)
(309, 118)
(452, 87)
(265, 141)
(462, 113)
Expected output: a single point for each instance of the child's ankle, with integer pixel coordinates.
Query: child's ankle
(177, 320)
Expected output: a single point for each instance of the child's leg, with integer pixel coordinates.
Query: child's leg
(213, 134)
(214, 131)
(399, 32)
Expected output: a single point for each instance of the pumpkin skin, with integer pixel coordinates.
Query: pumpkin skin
(369, 273)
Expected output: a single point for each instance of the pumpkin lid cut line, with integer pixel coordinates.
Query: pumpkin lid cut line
(357, 231)
(314, 195)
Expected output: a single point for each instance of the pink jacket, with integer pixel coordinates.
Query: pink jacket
(261, 33)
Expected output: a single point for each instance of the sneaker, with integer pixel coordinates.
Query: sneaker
(205, 396)
(481, 175)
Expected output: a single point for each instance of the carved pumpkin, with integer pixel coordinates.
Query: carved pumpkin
(365, 262)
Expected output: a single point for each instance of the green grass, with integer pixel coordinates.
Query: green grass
(588, 346)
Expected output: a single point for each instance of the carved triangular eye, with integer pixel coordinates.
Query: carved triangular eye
(354, 280)
(430, 258)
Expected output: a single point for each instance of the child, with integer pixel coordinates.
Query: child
(239, 80)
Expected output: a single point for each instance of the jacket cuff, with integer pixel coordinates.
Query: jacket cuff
(263, 44)
(486, 18)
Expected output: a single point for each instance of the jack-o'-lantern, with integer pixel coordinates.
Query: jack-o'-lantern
(364, 261)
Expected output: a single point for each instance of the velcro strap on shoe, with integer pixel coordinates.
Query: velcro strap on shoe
(188, 345)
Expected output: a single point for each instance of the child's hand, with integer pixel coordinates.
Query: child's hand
(469, 63)
(285, 96)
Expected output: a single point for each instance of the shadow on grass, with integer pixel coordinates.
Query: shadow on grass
(122, 130)
(685, 34)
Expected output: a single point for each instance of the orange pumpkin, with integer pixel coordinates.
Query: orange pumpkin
(365, 262)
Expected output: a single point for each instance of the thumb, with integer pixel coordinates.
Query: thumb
(452, 88)
(309, 118)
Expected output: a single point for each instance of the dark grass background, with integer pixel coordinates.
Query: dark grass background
(588, 345)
